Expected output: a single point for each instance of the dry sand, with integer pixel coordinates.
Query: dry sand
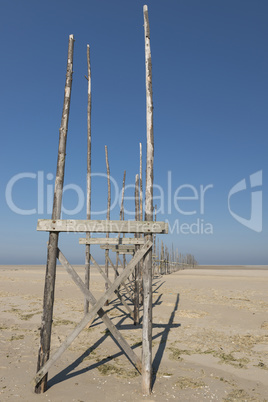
(210, 338)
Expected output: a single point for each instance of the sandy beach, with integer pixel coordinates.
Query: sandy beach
(210, 338)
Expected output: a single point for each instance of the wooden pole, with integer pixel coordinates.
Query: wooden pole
(49, 290)
(141, 218)
(121, 216)
(141, 194)
(147, 269)
(158, 256)
(87, 256)
(122, 199)
(137, 268)
(108, 217)
(124, 256)
(154, 244)
(162, 257)
(165, 259)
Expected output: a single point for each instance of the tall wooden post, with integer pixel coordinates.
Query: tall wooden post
(158, 257)
(121, 218)
(137, 268)
(141, 193)
(141, 218)
(87, 256)
(147, 268)
(48, 301)
(154, 244)
(108, 216)
(162, 258)
(122, 199)
(124, 255)
(166, 260)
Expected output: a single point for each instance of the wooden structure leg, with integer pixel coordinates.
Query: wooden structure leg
(147, 268)
(48, 301)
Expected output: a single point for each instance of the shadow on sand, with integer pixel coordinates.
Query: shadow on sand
(69, 372)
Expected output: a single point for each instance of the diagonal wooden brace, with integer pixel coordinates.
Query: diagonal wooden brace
(118, 294)
(123, 282)
(96, 309)
(129, 284)
(114, 331)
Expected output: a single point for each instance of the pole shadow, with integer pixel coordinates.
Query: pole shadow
(69, 372)
(163, 341)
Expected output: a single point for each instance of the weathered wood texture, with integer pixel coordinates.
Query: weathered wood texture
(125, 252)
(101, 226)
(121, 216)
(88, 201)
(49, 290)
(123, 282)
(154, 245)
(112, 241)
(96, 309)
(119, 247)
(147, 269)
(108, 215)
(141, 191)
(141, 218)
(118, 294)
(124, 257)
(137, 268)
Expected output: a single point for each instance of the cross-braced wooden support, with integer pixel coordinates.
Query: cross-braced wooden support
(140, 245)
(97, 308)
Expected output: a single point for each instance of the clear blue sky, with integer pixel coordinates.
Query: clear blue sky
(210, 86)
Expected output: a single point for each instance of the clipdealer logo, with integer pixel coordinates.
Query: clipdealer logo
(186, 200)
(255, 220)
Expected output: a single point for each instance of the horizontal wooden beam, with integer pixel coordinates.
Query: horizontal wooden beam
(119, 247)
(101, 226)
(111, 240)
(124, 252)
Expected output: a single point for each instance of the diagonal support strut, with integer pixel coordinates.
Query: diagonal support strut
(96, 309)
(117, 292)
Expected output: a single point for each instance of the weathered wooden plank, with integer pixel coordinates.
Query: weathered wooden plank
(101, 226)
(119, 247)
(111, 240)
(120, 252)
